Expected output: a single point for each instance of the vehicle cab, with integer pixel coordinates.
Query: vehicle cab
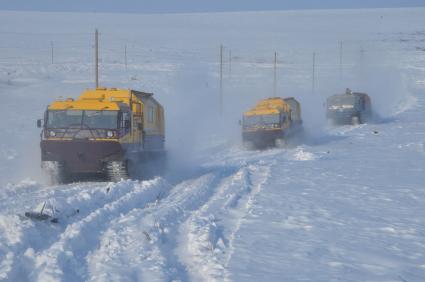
(348, 108)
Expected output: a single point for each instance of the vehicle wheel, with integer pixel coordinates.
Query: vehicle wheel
(355, 120)
(117, 170)
(280, 143)
(159, 165)
(362, 118)
(249, 145)
(56, 172)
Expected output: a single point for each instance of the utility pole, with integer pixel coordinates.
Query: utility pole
(313, 86)
(340, 59)
(51, 49)
(274, 75)
(125, 56)
(230, 63)
(96, 37)
(361, 53)
(221, 79)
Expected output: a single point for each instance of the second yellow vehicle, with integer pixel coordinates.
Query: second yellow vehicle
(271, 122)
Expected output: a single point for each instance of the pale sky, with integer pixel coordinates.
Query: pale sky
(182, 6)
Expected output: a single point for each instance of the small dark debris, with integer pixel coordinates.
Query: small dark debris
(147, 236)
(41, 217)
(37, 215)
(73, 213)
(375, 132)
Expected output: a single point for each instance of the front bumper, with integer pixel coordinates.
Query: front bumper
(262, 137)
(342, 117)
(81, 156)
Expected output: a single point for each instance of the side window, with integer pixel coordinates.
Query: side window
(125, 121)
(283, 118)
(138, 108)
(150, 114)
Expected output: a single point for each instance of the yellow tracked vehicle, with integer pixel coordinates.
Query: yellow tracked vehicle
(271, 122)
(105, 132)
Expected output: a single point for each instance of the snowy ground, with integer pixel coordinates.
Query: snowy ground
(342, 204)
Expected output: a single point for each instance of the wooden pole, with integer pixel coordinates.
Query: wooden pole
(230, 63)
(274, 75)
(221, 79)
(340, 59)
(314, 73)
(125, 56)
(51, 49)
(96, 36)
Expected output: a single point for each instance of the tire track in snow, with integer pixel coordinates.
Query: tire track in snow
(206, 238)
(23, 235)
(143, 243)
(64, 259)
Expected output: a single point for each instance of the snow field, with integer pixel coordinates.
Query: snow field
(340, 222)
(340, 204)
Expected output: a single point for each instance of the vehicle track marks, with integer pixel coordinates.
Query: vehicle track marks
(206, 237)
(72, 203)
(144, 241)
(74, 239)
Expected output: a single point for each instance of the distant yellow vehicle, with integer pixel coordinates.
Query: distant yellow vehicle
(271, 122)
(104, 132)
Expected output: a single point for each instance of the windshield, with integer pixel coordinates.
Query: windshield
(343, 100)
(77, 118)
(260, 120)
(101, 119)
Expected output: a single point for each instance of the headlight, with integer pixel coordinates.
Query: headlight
(52, 133)
(110, 134)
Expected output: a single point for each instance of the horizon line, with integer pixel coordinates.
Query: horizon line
(205, 12)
